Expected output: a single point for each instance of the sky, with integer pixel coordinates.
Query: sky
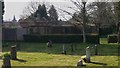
(13, 9)
(16, 7)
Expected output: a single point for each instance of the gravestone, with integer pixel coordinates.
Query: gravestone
(6, 62)
(80, 63)
(96, 50)
(13, 53)
(88, 54)
(64, 50)
(49, 43)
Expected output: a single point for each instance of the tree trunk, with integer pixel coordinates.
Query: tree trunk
(84, 36)
(84, 22)
(119, 22)
(119, 32)
(119, 36)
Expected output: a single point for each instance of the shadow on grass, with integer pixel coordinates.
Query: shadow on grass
(20, 60)
(98, 63)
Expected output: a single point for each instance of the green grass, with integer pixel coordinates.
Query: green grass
(44, 59)
(0, 63)
(38, 54)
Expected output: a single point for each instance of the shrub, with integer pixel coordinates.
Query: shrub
(92, 39)
(106, 31)
(5, 55)
(5, 44)
(112, 38)
(74, 38)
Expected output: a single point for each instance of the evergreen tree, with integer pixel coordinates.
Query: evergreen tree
(42, 12)
(53, 13)
(3, 8)
(2, 3)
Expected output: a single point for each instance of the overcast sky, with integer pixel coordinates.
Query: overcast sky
(15, 7)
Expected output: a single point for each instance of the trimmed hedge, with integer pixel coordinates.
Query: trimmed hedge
(61, 38)
(112, 38)
(106, 31)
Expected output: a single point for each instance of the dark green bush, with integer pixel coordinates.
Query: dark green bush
(112, 38)
(106, 31)
(93, 39)
(6, 54)
(5, 44)
(61, 38)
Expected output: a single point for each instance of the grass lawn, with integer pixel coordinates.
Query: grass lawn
(38, 54)
(0, 63)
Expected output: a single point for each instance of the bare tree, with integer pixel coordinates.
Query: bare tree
(102, 14)
(84, 20)
(119, 22)
(117, 11)
(80, 16)
(30, 9)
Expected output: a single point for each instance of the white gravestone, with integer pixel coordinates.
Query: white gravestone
(88, 54)
(80, 63)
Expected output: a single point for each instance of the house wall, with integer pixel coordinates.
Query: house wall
(20, 33)
(12, 34)
(8, 34)
(55, 30)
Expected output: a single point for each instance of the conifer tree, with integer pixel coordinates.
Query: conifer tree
(53, 13)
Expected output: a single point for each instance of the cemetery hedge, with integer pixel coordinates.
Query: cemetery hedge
(105, 31)
(71, 38)
(112, 38)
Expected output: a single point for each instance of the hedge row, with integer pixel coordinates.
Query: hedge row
(106, 31)
(112, 38)
(61, 38)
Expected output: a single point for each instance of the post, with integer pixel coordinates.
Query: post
(72, 50)
(96, 50)
(6, 61)
(88, 54)
(119, 32)
(64, 50)
(13, 53)
(1, 26)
